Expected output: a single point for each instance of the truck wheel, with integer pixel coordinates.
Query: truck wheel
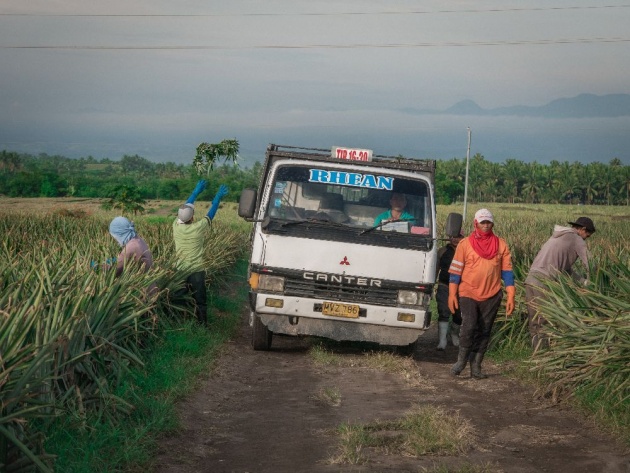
(261, 335)
(408, 350)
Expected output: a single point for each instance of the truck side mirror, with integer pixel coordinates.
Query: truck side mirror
(247, 203)
(454, 224)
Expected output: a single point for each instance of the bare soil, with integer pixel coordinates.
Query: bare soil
(260, 412)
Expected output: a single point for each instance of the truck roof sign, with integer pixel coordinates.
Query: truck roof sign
(351, 154)
(354, 179)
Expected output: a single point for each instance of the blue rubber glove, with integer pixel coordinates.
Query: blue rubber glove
(111, 261)
(222, 192)
(93, 265)
(199, 188)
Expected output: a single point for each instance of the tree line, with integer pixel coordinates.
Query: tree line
(24, 175)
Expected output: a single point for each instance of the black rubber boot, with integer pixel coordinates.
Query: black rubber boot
(462, 359)
(475, 366)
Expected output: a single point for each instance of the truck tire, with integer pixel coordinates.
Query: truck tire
(408, 350)
(261, 335)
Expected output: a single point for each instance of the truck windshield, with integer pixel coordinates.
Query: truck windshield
(367, 200)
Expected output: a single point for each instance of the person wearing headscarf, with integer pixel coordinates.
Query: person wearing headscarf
(189, 239)
(480, 262)
(133, 247)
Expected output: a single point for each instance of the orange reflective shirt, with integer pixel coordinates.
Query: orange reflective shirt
(480, 277)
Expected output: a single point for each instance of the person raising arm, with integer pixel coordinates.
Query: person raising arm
(189, 245)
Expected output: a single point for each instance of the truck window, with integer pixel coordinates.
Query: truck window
(358, 201)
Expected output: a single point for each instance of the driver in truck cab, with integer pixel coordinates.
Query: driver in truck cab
(397, 202)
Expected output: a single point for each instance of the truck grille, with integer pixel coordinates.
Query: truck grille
(340, 292)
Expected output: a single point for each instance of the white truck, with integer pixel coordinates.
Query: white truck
(328, 258)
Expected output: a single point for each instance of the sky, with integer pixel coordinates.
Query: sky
(158, 77)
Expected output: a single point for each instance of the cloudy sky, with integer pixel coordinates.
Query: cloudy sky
(158, 77)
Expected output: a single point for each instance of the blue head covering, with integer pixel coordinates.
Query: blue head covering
(122, 230)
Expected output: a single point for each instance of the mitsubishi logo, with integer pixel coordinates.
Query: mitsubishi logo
(345, 261)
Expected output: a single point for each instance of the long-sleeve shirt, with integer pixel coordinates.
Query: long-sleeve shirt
(136, 249)
(445, 257)
(480, 278)
(558, 255)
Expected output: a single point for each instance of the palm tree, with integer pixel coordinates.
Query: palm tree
(551, 191)
(533, 185)
(589, 182)
(513, 171)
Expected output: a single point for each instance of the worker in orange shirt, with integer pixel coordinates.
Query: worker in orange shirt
(480, 262)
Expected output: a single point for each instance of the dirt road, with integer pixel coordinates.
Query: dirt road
(259, 412)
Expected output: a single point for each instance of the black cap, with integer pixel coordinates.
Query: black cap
(584, 222)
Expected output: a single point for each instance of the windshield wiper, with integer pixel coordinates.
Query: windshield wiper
(380, 224)
(295, 222)
(325, 220)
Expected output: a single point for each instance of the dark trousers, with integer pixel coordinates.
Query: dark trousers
(477, 321)
(196, 284)
(444, 313)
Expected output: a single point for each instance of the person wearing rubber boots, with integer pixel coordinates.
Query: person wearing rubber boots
(480, 262)
(445, 256)
(189, 245)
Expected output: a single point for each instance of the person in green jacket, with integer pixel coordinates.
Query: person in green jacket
(189, 236)
(397, 202)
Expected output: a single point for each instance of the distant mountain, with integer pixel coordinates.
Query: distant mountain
(581, 106)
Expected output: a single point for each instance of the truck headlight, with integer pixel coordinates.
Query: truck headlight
(266, 282)
(413, 298)
(409, 297)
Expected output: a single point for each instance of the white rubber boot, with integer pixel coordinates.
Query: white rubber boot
(455, 334)
(442, 331)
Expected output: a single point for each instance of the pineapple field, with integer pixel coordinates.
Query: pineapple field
(70, 335)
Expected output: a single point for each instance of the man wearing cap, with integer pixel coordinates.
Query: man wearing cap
(480, 262)
(189, 245)
(557, 255)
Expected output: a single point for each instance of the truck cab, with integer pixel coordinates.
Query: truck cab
(343, 245)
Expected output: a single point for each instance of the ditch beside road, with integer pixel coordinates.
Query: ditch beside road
(261, 412)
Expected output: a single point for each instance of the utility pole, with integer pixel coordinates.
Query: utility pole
(466, 181)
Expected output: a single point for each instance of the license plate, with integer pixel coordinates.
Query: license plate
(338, 309)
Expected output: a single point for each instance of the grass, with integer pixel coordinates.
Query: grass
(323, 355)
(330, 396)
(424, 430)
(176, 360)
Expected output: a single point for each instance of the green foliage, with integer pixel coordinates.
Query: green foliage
(23, 175)
(74, 333)
(175, 358)
(209, 153)
(125, 198)
(515, 181)
(589, 333)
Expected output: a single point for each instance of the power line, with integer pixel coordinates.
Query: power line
(331, 46)
(356, 13)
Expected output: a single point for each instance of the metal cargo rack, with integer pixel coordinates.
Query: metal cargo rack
(319, 154)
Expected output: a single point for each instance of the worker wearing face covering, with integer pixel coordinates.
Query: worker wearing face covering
(480, 262)
(133, 247)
